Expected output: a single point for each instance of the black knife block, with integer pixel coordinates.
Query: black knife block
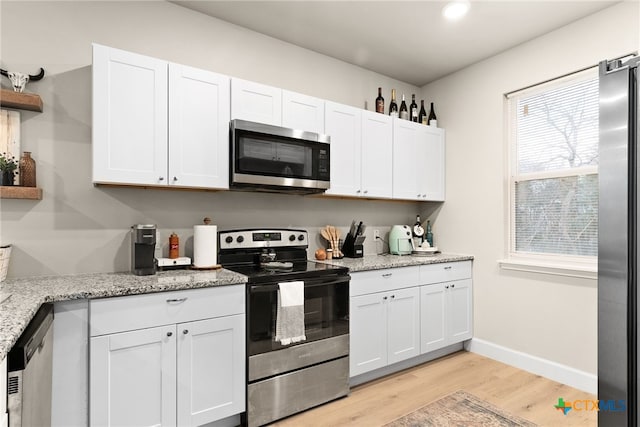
(352, 247)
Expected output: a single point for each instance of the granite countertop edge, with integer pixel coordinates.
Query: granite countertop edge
(383, 261)
(29, 293)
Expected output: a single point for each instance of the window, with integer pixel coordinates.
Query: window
(553, 185)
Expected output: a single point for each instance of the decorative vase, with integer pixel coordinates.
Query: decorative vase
(27, 170)
(6, 178)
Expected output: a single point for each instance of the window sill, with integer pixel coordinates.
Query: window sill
(569, 269)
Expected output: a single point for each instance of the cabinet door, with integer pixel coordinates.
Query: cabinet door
(403, 320)
(302, 112)
(368, 333)
(199, 114)
(4, 418)
(344, 125)
(433, 322)
(406, 159)
(434, 178)
(256, 102)
(129, 118)
(211, 369)
(132, 378)
(377, 150)
(460, 311)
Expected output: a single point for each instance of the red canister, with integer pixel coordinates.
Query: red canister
(174, 246)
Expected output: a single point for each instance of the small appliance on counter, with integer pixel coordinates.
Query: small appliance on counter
(353, 242)
(143, 245)
(400, 240)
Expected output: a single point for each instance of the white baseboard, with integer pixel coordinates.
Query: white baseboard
(536, 365)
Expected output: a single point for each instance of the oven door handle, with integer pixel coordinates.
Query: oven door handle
(307, 284)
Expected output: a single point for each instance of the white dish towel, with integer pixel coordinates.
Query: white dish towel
(290, 314)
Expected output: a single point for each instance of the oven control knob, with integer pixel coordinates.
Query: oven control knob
(229, 239)
(292, 238)
(301, 237)
(240, 239)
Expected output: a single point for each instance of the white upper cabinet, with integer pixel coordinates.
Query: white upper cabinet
(198, 128)
(361, 149)
(434, 161)
(418, 161)
(156, 123)
(256, 102)
(129, 117)
(302, 112)
(377, 150)
(344, 125)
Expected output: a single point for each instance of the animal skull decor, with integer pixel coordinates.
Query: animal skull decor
(20, 80)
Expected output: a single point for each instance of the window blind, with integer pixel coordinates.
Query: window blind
(554, 182)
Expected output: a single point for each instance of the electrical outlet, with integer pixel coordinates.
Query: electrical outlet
(376, 234)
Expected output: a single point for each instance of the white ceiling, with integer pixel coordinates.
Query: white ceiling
(406, 40)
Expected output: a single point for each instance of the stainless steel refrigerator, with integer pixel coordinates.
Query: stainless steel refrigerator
(618, 244)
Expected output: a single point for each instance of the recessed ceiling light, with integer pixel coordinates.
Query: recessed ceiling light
(455, 10)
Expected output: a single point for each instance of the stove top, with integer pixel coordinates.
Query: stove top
(300, 270)
(271, 255)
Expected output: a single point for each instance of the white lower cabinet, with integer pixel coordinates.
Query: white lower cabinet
(446, 305)
(384, 326)
(4, 420)
(182, 373)
(400, 313)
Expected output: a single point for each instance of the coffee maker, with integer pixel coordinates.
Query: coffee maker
(143, 245)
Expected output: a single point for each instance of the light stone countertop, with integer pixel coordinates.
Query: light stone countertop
(28, 294)
(379, 262)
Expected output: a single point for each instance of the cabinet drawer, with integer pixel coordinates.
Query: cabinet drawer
(445, 272)
(118, 314)
(368, 282)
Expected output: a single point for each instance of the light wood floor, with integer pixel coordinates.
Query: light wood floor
(518, 392)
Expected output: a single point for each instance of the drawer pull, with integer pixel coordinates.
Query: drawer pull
(387, 274)
(384, 298)
(393, 296)
(453, 286)
(176, 300)
(446, 287)
(186, 331)
(169, 334)
(448, 268)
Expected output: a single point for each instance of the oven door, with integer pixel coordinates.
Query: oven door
(273, 157)
(326, 312)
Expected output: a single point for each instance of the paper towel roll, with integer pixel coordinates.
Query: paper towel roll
(205, 246)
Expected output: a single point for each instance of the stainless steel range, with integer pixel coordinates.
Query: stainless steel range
(288, 376)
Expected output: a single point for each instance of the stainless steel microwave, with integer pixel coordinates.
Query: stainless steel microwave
(276, 159)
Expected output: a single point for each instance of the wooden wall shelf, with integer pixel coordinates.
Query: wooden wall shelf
(15, 192)
(23, 101)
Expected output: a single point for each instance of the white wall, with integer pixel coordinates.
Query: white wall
(79, 228)
(551, 317)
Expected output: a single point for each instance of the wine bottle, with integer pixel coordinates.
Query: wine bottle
(404, 113)
(393, 107)
(422, 117)
(413, 108)
(380, 102)
(418, 232)
(432, 120)
(429, 234)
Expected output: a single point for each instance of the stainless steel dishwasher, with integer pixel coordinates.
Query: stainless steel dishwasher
(29, 373)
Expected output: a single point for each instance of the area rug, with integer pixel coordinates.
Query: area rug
(460, 409)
